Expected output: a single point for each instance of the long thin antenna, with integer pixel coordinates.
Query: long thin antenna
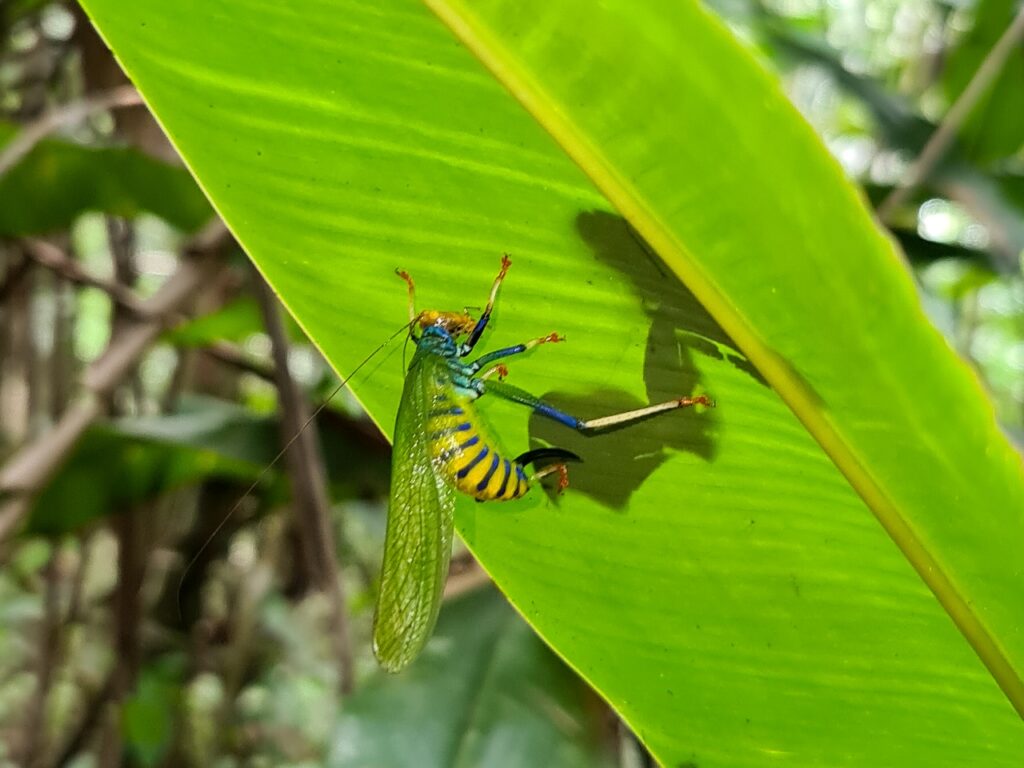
(277, 458)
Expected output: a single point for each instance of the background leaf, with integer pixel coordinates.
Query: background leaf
(995, 128)
(57, 181)
(121, 464)
(138, 458)
(486, 691)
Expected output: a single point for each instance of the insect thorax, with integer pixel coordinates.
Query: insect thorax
(437, 341)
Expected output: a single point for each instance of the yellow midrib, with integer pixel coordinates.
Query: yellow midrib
(624, 197)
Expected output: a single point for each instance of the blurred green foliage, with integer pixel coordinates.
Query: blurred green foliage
(58, 181)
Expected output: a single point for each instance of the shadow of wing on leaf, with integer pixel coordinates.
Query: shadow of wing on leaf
(680, 332)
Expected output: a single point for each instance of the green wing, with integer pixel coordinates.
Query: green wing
(418, 543)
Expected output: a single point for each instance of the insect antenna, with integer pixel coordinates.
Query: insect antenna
(263, 472)
(405, 346)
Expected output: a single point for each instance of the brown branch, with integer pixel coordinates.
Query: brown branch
(940, 141)
(27, 471)
(231, 354)
(128, 524)
(13, 277)
(36, 380)
(75, 599)
(62, 361)
(180, 378)
(49, 644)
(121, 243)
(131, 567)
(52, 257)
(464, 575)
(309, 484)
(461, 583)
(67, 114)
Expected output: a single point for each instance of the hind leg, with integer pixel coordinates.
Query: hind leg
(562, 471)
(587, 426)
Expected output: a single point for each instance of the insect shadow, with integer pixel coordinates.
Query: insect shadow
(680, 331)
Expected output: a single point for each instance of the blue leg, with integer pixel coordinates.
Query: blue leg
(521, 396)
(497, 354)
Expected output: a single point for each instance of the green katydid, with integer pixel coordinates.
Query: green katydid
(440, 448)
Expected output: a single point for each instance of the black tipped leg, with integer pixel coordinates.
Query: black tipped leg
(543, 456)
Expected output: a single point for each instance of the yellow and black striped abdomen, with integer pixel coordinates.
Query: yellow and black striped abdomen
(466, 457)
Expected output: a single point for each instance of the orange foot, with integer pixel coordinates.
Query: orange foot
(699, 400)
(563, 478)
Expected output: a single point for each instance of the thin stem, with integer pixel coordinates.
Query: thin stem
(67, 114)
(233, 355)
(54, 258)
(939, 143)
(309, 484)
(17, 269)
(49, 644)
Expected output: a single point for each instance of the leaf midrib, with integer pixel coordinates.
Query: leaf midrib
(786, 383)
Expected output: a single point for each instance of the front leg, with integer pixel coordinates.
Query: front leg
(498, 369)
(474, 336)
(518, 349)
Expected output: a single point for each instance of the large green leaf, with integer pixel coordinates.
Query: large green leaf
(483, 677)
(712, 574)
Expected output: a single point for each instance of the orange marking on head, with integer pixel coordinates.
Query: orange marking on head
(456, 323)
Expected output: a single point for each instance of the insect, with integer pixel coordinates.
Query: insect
(441, 448)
